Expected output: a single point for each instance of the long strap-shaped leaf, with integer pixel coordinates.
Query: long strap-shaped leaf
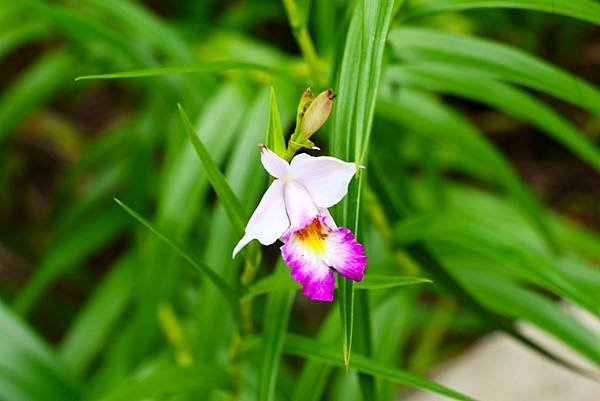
(29, 370)
(169, 380)
(215, 176)
(275, 322)
(227, 291)
(34, 86)
(68, 252)
(214, 66)
(494, 59)
(586, 10)
(427, 116)
(511, 100)
(219, 183)
(310, 349)
(421, 254)
(358, 82)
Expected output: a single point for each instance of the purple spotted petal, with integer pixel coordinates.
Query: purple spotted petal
(317, 279)
(345, 254)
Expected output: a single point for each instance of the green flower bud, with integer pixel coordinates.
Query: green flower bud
(311, 114)
(305, 101)
(317, 113)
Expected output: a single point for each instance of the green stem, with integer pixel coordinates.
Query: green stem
(304, 41)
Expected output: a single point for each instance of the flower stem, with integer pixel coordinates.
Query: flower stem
(304, 41)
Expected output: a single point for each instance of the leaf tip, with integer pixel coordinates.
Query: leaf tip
(346, 357)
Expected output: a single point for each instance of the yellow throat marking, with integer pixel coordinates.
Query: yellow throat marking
(313, 237)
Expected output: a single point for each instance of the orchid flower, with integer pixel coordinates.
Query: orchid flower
(294, 209)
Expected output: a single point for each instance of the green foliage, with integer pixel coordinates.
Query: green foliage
(459, 242)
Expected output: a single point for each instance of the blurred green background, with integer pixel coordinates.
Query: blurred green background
(482, 175)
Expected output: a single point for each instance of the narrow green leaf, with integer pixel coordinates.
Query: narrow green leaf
(68, 251)
(82, 29)
(33, 87)
(19, 36)
(506, 296)
(360, 72)
(313, 378)
(476, 236)
(214, 66)
(310, 349)
(154, 29)
(184, 182)
(227, 291)
(586, 10)
(90, 331)
(346, 296)
(215, 176)
(275, 322)
(283, 282)
(208, 341)
(272, 283)
(493, 60)
(219, 183)
(515, 102)
(28, 368)
(363, 342)
(171, 380)
(373, 282)
(424, 114)
(430, 263)
(275, 136)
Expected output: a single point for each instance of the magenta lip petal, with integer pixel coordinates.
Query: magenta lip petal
(345, 254)
(342, 252)
(316, 278)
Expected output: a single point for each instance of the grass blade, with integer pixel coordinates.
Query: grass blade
(310, 349)
(430, 263)
(275, 322)
(28, 369)
(358, 85)
(507, 297)
(372, 282)
(227, 291)
(282, 282)
(69, 251)
(19, 36)
(512, 101)
(476, 236)
(492, 59)
(91, 329)
(219, 183)
(214, 66)
(586, 10)
(171, 380)
(275, 137)
(424, 114)
(34, 87)
(215, 176)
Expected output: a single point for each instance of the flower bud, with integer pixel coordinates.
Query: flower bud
(305, 101)
(317, 113)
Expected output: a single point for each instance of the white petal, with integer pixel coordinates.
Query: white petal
(300, 207)
(327, 219)
(326, 178)
(269, 221)
(274, 164)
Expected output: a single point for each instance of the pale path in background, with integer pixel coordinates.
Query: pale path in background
(498, 368)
